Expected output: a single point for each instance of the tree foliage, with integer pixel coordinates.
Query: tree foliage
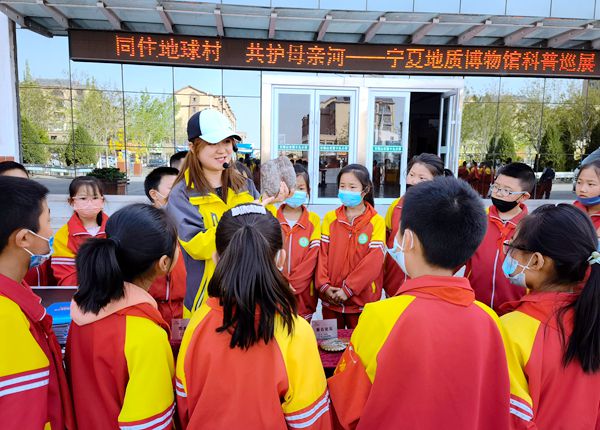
(80, 149)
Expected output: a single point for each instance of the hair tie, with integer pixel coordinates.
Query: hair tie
(594, 258)
(248, 209)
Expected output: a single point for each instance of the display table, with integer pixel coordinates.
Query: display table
(331, 359)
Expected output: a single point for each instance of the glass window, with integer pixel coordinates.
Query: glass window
(592, 89)
(293, 126)
(153, 79)
(187, 104)
(196, 80)
(527, 90)
(43, 59)
(104, 76)
(521, 124)
(528, 8)
(388, 124)
(244, 113)
(477, 129)
(334, 141)
(481, 89)
(563, 90)
(102, 114)
(241, 83)
(573, 9)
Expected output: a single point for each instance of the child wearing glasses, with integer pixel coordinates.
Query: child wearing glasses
(512, 187)
(88, 220)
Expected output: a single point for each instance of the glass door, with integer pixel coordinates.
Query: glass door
(388, 142)
(317, 129)
(448, 136)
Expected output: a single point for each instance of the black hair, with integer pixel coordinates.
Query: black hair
(247, 280)
(591, 165)
(566, 235)
(5, 166)
(432, 162)
(22, 203)
(176, 157)
(449, 219)
(522, 172)
(362, 174)
(301, 171)
(153, 179)
(103, 265)
(87, 181)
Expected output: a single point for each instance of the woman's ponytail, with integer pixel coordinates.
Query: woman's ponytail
(247, 281)
(584, 342)
(100, 277)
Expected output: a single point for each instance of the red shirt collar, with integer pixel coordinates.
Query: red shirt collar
(493, 213)
(542, 306)
(451, 289)
(302, 221)
(578, 205)
(76, 227)
(24, 297)
(360, 221)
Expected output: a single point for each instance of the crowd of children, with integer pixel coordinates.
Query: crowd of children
(432, 355)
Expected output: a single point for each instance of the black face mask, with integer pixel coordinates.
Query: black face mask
(503, 206)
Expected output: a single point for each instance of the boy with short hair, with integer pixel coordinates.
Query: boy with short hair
(158, 184)
(176, 160)
(169, 290)
(12, 168)
(33, 389)
(510, 190)
(431, 357)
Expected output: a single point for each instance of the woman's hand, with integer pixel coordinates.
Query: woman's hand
(284, 193)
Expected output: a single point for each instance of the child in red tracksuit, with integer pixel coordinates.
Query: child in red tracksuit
(552, 333)
(168, 290)
(421, 168)
(512, 187)
(587, 189)
(302, 239)
(350, 269)
(87, 200)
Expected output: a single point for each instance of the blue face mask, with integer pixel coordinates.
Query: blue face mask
(297, 199)
(510, 266)
(350, 199)
(397, 254)
(589, 201)
(36, 260)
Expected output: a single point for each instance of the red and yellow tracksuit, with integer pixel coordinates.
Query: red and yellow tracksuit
(67, 241)
(544, 393)
(196, 217)
(34, 393)
(40, 275)
(429, 358)
(484, 269)
(277, 385)
(169, 292)
(351, 258)
(120, 365)
(595, 217)
(393, 276)
(301, 244)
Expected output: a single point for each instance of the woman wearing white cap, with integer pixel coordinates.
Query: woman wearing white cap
(207, 186)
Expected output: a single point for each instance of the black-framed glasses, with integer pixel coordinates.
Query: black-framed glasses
(507, 245)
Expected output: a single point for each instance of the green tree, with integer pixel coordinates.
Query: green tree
(80, 149)
(501, 147)
(34, 143)
(477, 127)
(594, 140)
(101, 112)
(551, 149)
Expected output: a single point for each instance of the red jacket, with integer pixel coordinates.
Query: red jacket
(275, 385)
(393, 276)
(301, 243)
(544, 393)
(429, 358)
(120, 365)
(351, 258)
(40, 275)
(484, 269)
(67, 241)
(169, 292)
(33, 388)
(594, 217)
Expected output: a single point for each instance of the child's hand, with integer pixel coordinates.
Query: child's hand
(331, 295)
(340, 296)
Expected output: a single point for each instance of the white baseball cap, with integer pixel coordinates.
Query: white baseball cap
(211, 126)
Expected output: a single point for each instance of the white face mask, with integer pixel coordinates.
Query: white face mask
(397, 253)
